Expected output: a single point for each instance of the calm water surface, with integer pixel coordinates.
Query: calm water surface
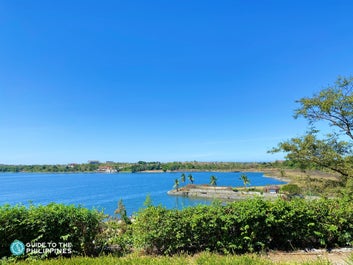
(103, 191)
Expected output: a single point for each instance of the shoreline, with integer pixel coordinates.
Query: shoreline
(266, 174)
(225, 193)
(192, 170)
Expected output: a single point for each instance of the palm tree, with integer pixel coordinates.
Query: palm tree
(245, 180)
(191, 179)
(176, 184)
(182, 178)
(213, 180)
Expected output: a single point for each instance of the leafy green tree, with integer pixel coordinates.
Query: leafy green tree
(333, 106)
(176, 184)
(213, 180)
(191, 178)
(245, 179)
(165, 167)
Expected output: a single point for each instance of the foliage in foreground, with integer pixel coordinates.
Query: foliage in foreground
(204, 258)
(254, 225)
(50, 223)
(245, 226)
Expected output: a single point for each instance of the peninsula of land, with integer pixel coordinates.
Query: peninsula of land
(225, 193)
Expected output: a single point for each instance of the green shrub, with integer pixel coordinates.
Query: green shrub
(245, 226)
(50, 223)
(115, 237)
(233, 228)
(252, 225)
(291, 189)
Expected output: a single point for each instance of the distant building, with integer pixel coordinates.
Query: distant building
(271, 189)
(93, 162)
(72, 165)
(106, 169)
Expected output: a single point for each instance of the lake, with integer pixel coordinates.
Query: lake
(103, 191)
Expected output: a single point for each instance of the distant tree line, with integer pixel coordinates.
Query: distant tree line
(210, 166)
(48, 168)
(141, 166)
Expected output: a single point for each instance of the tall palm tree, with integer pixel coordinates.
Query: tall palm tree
(182, 178)
(245, 180)
(213, 180)
(191, 179)
(176, 184)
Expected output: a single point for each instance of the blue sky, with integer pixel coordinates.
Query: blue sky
(162, 80)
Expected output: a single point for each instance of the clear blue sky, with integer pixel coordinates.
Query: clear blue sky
(162, 80)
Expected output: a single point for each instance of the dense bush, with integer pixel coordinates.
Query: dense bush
(291, 189)
(245, 226)
(50, 223)
(115, 237)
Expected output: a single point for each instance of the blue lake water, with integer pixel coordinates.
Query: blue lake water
(103, 191)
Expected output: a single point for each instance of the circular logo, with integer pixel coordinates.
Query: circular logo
(17, 248)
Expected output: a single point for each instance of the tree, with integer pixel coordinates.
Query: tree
(191, 179)
(165, 167)
(176, 184)
(332, 105)
(121, 210)
(245, 179)
(213, 180)
(182, 178)
(148, 201)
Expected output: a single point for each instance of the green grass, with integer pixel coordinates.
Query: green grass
(204, 258)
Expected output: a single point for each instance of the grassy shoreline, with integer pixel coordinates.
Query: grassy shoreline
(204, 258)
